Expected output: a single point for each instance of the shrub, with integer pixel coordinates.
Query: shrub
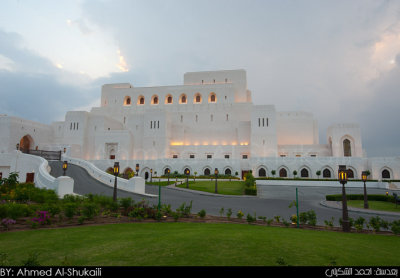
(240, 214)
(371, 197)
(251, 219)
(70, 210)
(395, 227)
(184, 210)
(14, 210)
(126, 203)
(263, 218)
(229, 213)
(221, 211)
(250, 191)
(377, 223)
(293, 218)
(329, 223)
(202, 213)
(277, 218)
(359, 223)
(308, 217)
(90, 210)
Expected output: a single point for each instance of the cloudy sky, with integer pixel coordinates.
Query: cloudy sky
(338, 59)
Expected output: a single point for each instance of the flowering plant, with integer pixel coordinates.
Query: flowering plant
(43, 217)
(6, 222)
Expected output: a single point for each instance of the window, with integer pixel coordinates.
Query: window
(155, 100)
(283, 155)
(244, 156)
(227, 156)
(283, 173)
(385, 174)
(197, 98)
(304, 173)
(127, 101)
(197, 118)
(191, 156)
(228, 172)
(140, 100)
(262, 172)
(207, 172)
(350, 174)
(326, 173)
(183, 99)
(209, 156)
(213, 98)
(175, 156)
(168, 99)
(227, 117)
(346, 147)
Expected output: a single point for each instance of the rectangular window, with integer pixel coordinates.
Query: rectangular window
(263, 122)
(158, 124)
(283, 155)
(191, 156)
(77, 126)
(267, 121)
(244, 156)
(259, 122)
(175, 156)
(151, 124)
(227, 156)
(209, 156)
(313, 155)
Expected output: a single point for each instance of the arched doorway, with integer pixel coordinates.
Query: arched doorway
(326, 173)
(207, 172)
(228, 172)
(262, 172)
(26, 143)
(283, 173)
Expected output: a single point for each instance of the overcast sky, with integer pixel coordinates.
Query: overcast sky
(339, 60)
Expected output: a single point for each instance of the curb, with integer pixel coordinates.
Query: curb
(208, 193)
(338, 205)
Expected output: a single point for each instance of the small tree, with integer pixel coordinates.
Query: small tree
(273, 172)
(295, 173)
(318, 173)
(195, 173)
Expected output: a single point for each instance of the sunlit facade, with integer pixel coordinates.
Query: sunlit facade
(208, 122)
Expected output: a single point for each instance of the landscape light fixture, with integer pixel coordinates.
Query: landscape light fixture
(65, 166)
(116, 173)
(137, 169)
(187, 172)
(343, 176)
(364, 176)
(216, 179)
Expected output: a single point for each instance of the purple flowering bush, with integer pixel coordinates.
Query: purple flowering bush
(43, 217)
(7, 222)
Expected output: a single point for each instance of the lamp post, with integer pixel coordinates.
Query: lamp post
(364, 176)
(216, 178)
(343, 180)
(168, 171)
(65, 166)
(116, 172)
(137, 169)
(187, 172)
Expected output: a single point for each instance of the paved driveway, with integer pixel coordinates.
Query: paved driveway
(276, 203)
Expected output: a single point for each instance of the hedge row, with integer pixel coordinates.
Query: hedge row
(372, 197)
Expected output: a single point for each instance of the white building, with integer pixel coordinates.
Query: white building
(208, 122)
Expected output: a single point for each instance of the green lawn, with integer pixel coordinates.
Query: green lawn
(225, 187)
(375, 205)
(197, 244)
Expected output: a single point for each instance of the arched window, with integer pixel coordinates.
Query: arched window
(228, 172)
(168, 99)
(326, 173)
(140, 100)
(166, 171)
(154, 100)
(304, 173)
(346, 147)
(127, 101)
(183, 99)
(197, 98)
(283, 173)
(385, 174)
(207, 172)
(262, 172)
(213, 98)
